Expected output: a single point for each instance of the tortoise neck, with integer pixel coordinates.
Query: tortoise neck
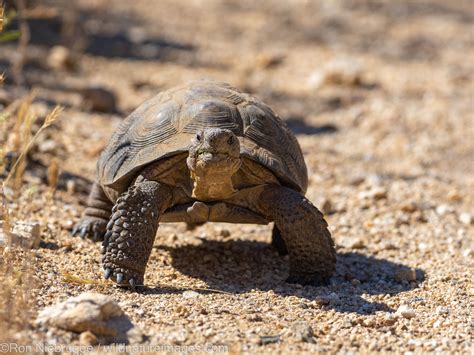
(213, 181)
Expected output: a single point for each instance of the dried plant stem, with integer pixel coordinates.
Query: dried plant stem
(16, 169)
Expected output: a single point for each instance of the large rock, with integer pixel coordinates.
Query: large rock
(92, 312)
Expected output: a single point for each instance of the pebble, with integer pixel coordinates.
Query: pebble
(269, 339)
(409, 207)
(465, 218)
(468, 252)
(301, 331)
(406, 312)
(48, 146)
(60, 58)
(326, 206)
(352, 243)
(442, 310)
(444, 209)
(190, 294)
(405, 275)
(343, 72)
(90, 312)
(376, 193)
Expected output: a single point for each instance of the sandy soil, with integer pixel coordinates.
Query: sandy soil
(379, 95)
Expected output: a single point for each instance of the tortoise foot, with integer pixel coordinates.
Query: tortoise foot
(90, 227)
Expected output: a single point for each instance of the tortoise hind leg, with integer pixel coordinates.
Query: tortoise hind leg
(131, 231)
(304, 232)
(95, 217)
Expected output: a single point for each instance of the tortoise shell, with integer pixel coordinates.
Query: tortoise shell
(165, 124)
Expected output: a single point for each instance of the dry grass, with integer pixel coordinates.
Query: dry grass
(17, 281)
(17, 266)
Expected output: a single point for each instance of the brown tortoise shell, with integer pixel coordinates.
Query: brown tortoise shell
(164, 126)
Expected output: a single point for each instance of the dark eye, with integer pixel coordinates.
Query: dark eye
(198, 137)
(230, 140)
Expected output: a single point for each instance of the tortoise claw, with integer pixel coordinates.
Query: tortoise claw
(132, 283)
(83, 233)
(107, 273)
(119, 278)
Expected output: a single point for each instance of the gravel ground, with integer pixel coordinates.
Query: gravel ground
(379, 95)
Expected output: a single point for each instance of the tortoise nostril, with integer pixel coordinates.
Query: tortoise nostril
(230, 140)
(198, 137)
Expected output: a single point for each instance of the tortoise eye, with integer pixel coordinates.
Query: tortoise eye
(198, 137)
(230, 140)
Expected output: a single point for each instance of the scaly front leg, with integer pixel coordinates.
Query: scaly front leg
(131, 231)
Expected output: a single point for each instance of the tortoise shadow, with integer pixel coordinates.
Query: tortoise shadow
(240, 266)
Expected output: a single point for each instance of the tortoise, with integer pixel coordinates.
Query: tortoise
(203, 152)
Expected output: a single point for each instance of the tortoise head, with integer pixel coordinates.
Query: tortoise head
(214, 156)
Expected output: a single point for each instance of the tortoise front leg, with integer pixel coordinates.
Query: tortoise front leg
(94, 218)
(132, 229)
(304, 232)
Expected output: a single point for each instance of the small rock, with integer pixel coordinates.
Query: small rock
(26, 235)
(409, 207)
(190, 294)
(352, 243)
(326, 206)
(88, 338)
(355, 282)
(356, 244)
(465, 218)
(376, 193)
(454, 196)
(99, 99)
(468, 252)
(405, 275)
(225, 233)
(442, 310)
(268, 60)
(60, 58)
(254, 318)
(301, 331)
(322, 301)
(48, 146)
(91, 312)
(342, 72)
(443, 209)
(406, 312)
(269, 339)
(332, 298)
